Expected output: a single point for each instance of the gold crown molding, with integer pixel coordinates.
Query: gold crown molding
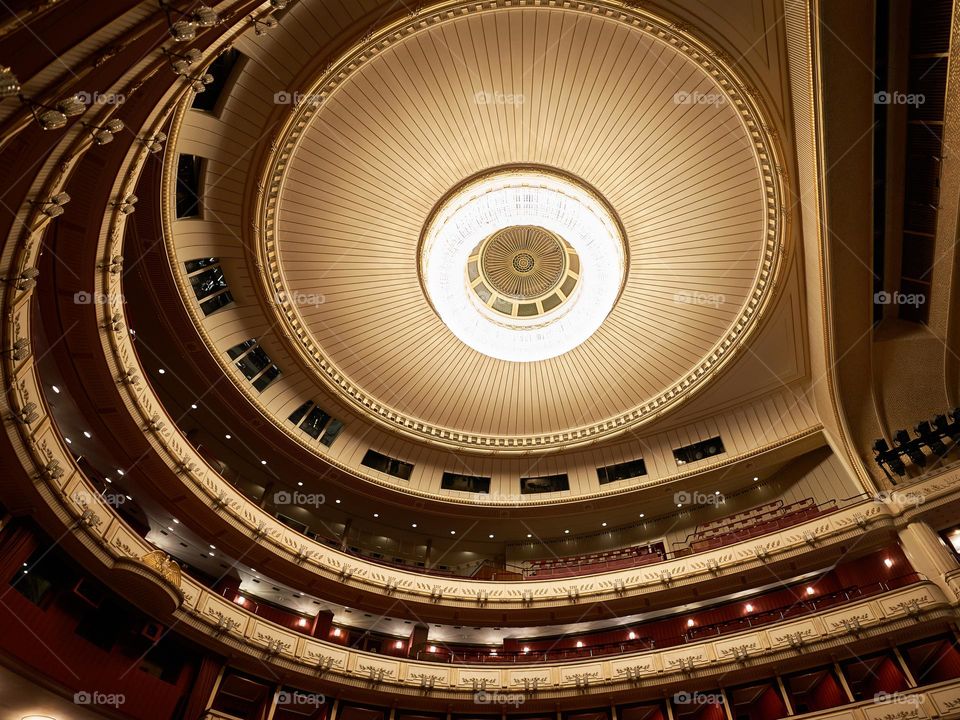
(738, 92)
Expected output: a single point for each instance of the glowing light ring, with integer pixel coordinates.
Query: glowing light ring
(528, 197)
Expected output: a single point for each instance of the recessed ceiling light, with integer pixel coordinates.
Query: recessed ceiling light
(193, 406)
(490, 536)
(213, 554)
(888, 562)
(413, 525)
(228, 436)
(566, 532)
(529, 535)
(809, 590)
(170, 528)
(87, 435)
(69, 441)
(213, 547)
(642, 515)
(108, 480)
(176, 522)
(632, 635)
(579, 643)
(337, 501)
(120, 472)
(679, 504)
(128, 497)
(263, 462)
(716, 492)
(453, 532)
(690, 622)
(756, 479)
(749, 607)
(300, 484)
(376, 515)
(603, 524)
(55, 389)
(162, 371)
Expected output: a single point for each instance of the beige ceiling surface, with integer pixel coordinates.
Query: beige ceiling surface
(580, 92)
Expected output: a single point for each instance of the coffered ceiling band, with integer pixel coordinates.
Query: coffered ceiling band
(275, 289)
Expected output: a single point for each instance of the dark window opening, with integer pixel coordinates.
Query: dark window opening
(189, 172)
(699, 451)
(465, 483)
(388, 465)
(622, 471)
(220, 69)
(315, 422)
(331, 434)
(544, 484)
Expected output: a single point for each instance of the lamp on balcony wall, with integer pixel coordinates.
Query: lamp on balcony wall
(9, 84)
(53, 206)
(54, 117)
(153, 143)
(104, 134)
(185, 28)
(181, 62)
(127, 204)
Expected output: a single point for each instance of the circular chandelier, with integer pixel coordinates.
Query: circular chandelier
(522, 264)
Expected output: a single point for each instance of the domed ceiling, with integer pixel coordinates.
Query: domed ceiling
(658, 143)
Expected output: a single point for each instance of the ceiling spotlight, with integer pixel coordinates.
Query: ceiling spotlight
(490, 536)
(603, 524)
(263, 462)
(748, 608)
(193, 406)
(888, 562)
(413, 525)
(376, 515)
(176, 522)
(529, 535)
(642, 515)
(756, 479)
(228, 436)
(579, 643)
(87, 434)
(690, 622)
(121, 473)
(453, 532)
(809, 590)
(162, 371)
(337, 501)
(631, 635)
(566, 532)
(9, 84)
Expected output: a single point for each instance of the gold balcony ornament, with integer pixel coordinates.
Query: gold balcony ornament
(161, 562)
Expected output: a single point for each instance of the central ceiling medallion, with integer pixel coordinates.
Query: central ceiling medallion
(523, 271)
(523, 263)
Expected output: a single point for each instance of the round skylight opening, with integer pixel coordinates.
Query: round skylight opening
(523, 264)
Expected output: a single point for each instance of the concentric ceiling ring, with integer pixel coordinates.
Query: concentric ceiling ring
(355, 173)
(555, 249)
